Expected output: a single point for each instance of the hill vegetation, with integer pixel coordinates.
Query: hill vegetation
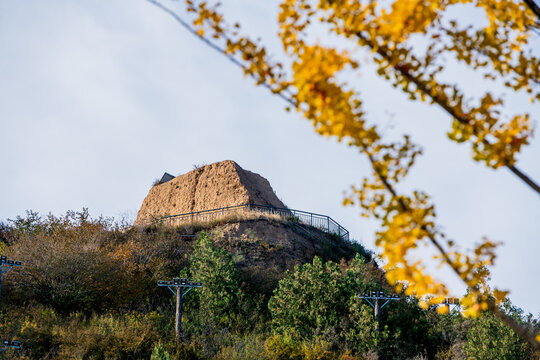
(87, 290)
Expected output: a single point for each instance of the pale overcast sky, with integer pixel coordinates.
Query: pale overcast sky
(98, 98)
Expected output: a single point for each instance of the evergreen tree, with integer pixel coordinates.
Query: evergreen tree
(159, 353)
(214, 268)
(490, 339)
(319, 300)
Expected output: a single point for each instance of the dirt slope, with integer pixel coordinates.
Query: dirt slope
(212, 186)
(263, 248)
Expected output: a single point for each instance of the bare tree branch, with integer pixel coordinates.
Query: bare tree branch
(216, 47)
(534, 7)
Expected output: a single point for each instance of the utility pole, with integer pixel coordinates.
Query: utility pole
(179, 285)
(377, 297)
(10, 264)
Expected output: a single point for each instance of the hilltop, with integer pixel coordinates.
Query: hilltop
(212, 186)
(265, 245)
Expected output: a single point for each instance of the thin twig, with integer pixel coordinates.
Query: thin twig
(216, 47)
(534, 7)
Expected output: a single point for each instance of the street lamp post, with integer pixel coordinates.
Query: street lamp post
(179, 285)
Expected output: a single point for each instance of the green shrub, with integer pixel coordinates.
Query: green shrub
(220, 295)
(319, 301)
(285, 347)
(159, 353)
(246, 347)
(490, 339)
(310, 299)
(46, 334)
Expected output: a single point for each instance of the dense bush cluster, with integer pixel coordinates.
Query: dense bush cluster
(87, 290)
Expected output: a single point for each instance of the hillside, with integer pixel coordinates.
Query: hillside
(273, 288)
(264, 247)
(88, 288)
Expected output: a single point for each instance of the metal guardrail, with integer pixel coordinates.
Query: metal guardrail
(321, 222)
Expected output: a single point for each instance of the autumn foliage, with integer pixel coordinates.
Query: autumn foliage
(496, 45)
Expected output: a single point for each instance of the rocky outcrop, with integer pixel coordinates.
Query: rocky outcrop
(212, 186)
